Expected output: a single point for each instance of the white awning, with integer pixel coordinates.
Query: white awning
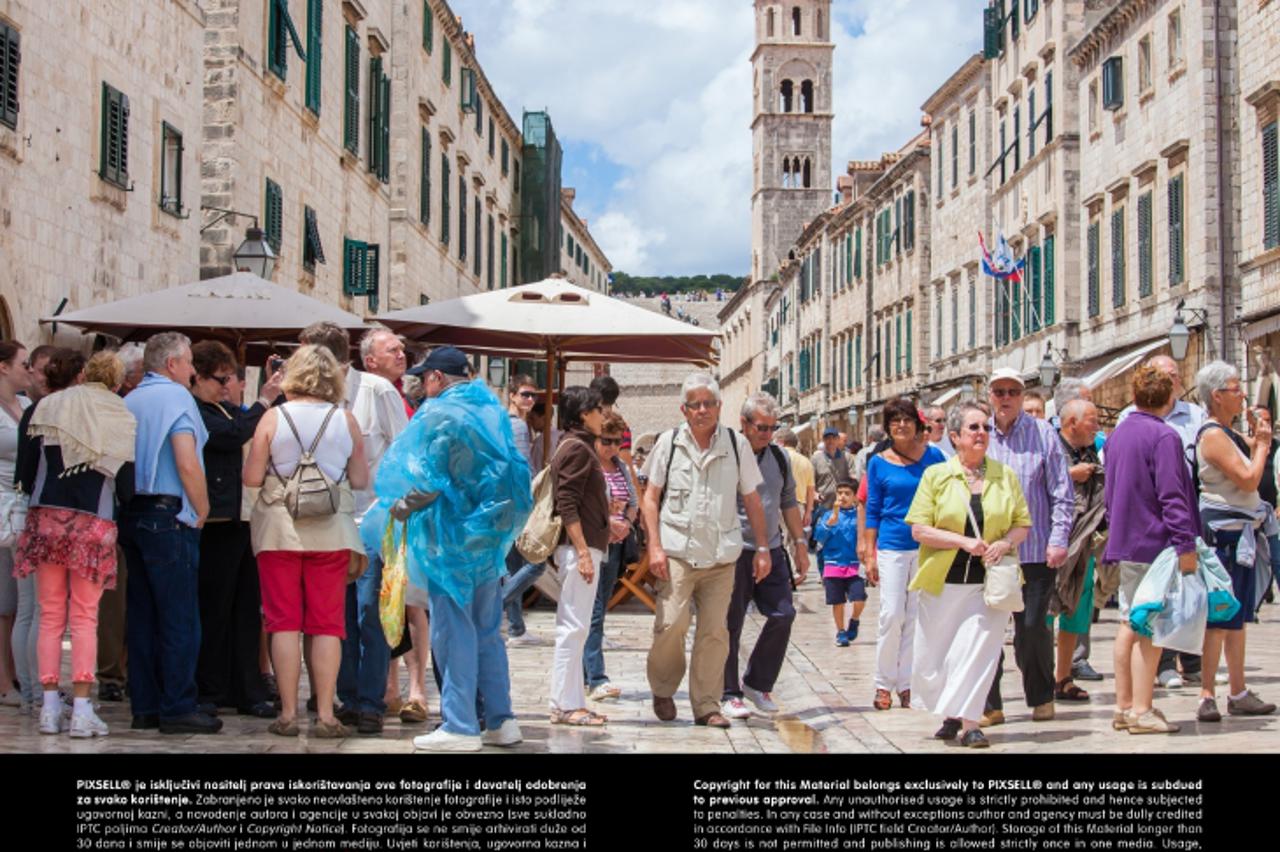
(949, 395)
(1261, 327)
(1123, 363)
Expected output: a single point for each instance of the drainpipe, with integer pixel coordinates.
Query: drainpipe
(1226, 207)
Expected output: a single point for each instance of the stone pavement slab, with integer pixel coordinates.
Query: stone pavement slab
(825, 694)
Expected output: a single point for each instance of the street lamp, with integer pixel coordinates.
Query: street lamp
(497, 371)
(1049, 372)
(1180, 334)
(255, 254)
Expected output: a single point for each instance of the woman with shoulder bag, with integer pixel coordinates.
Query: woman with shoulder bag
(307, 455)
(583, 506)
(15, 379)
(967, 515)
(623, 508)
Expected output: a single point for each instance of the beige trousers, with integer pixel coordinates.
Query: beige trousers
(709, 589)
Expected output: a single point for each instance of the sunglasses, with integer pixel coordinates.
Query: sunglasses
(1006, 392)
(764, 428)
(978, 427)
(528, 394)
(610, 442)
(702, 405)
(222, 380)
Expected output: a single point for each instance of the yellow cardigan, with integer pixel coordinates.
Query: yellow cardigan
(942, 502)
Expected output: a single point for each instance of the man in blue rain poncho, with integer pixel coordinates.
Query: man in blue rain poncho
(457, 477)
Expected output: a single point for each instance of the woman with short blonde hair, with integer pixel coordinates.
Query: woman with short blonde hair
(313, 372)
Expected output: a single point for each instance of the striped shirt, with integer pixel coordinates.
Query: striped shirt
(616, 483)
(1033, 450)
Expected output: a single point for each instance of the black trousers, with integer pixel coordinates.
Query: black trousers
(772, 597)
(230, 617)
(1032, 640)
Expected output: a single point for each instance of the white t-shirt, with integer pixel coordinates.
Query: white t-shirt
(334, 449)
(9, 444)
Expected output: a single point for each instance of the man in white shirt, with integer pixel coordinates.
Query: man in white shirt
(379, 410)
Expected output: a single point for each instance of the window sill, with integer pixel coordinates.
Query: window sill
(1119, 115)
(11, 144)
(1146, 97)
(110, 194)
(1177, 72)
(1094, 136)
(348, 159)
(274, 83)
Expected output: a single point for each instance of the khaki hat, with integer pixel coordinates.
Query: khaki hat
(1004, 373)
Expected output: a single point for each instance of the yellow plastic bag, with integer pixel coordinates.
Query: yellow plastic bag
(394, 579)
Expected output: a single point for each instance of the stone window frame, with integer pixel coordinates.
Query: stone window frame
(171, 150)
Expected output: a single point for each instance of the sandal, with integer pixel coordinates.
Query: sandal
(581, 718)
(884, 699)
(334, 730)
(1068, 691)
(283, 727)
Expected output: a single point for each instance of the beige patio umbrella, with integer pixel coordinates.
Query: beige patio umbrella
(558, 321)
(237, 309)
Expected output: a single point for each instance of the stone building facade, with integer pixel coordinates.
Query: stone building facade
(1156, 177)
(582, 260)
(1258, 247)
(100, 127)
(956, 342)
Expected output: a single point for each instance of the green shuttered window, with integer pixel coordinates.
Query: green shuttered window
(312, 250)
(1117, 257)
(1035, 281)
(424, 180)
(351, 93)
(10, 59)
(379, 121)
(1049, 304)
(446, 68)
(1270, 187)
(1094, 274)
(273, 214)
(1145, 252)
(428, 27)
(113, 165)
(444, 199)
(315, 21)
(360, 270)
(281, 31)
(462, 217)
(1177, 271)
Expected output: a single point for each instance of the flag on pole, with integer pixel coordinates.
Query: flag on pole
(1001, 264)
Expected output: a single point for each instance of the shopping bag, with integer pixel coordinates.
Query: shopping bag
(1180, 625)
(394, 579)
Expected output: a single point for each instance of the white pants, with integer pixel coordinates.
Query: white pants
(573, 622)
(957, 647)
(897, 618)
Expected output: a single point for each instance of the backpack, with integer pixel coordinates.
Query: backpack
(542, 530)
(1191, 450)
(308, 491)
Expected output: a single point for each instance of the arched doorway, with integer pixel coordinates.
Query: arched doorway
(6, 321)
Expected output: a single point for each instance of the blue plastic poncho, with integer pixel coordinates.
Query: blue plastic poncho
(460, 445)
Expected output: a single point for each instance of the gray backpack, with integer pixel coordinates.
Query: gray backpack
(308, 491)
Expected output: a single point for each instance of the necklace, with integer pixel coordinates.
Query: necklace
(974, 474)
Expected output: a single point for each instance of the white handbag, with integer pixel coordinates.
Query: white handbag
(1002, 588)
(13, 517)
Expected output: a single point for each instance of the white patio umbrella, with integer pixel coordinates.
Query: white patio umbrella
(237, 309)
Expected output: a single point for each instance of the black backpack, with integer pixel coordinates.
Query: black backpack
(1191, 451)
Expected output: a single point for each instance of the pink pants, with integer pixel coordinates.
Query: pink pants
(54, 585)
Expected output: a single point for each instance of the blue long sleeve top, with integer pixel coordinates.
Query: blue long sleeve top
(839, 543)
(890, 490)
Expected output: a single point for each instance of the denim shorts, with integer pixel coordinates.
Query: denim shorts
(844, 589)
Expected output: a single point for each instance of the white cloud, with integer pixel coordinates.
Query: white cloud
(663, 88)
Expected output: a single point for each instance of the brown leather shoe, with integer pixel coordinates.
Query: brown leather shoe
(712, 720)
(904, 698)
(664, 708)
(883, 700)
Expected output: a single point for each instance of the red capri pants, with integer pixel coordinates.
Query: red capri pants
(304, 591)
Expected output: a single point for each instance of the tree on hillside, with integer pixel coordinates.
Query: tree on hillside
(640, 284)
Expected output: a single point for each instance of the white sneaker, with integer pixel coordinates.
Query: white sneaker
(12, 698)
(442, 740)
(524, 639)
(1169, 679)
(87, 725)
(733, 708)
(506, 735)
(53, 720)
(762, 700)
(605, 692)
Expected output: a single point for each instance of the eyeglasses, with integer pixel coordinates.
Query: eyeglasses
(1001, 393)
(901, 421)
(222, 380)
(702, 405)
(610, 442)
(978, 427)
(938, 420)
(764, 428)
(528, 394)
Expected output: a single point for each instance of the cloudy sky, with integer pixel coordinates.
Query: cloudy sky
(651, 100)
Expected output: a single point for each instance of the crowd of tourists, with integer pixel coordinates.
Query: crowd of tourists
(205, 545)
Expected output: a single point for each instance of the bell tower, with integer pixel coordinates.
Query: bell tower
(790, 127)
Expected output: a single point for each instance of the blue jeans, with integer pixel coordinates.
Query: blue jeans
(520, 578)
(366, 657)
(593, 651)
(1273, 542)
(466, 643)
(163, 631)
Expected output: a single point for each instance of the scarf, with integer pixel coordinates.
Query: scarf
(90, 424)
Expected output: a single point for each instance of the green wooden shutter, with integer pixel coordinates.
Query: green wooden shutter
(955, 155)
(384, 129)
(428, 26)
(1117, 258)
(848, 257)
(277, 41)
(462, 217)
(1049, 303)
(909, 342)
(502, 269)
(1031, 122)
(353, 267)
(1015, 315)
(479, 221)
(1145, 253)
(1270, 187)
(446, 70)
(857, 361)
(273, 214)
(114, 163)
(372, 256)
(444, 198)
(897, 345)
(940, 187)
(10, 59)
(848, 363)
(315, 21)
(312, 250)
(1176, 268)
(1036, 299)
(992, 32)
(1095, 297)
(1113, 83)
(351, 98)
(1048, 107)
(973, 142)
(424, 179)
(909, 213)
(857, 254)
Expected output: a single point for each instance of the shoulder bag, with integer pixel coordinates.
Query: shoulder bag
(1002, 587)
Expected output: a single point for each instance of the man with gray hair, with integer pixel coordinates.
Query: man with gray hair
(936, 422)
(772, 592)
(697, 471)
(160, 535)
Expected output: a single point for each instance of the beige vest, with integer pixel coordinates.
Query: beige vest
(699, 518)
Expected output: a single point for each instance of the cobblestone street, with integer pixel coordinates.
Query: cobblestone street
(824, 692)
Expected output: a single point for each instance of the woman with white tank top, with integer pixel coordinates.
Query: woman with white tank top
(304, 563)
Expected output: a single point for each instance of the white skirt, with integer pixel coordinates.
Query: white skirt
(957, 648)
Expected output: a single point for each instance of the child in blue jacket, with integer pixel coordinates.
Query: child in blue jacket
(837, 536)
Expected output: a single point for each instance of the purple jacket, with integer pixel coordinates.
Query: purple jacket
(1151, 503)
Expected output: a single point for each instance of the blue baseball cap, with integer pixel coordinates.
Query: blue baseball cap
(447, 359)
